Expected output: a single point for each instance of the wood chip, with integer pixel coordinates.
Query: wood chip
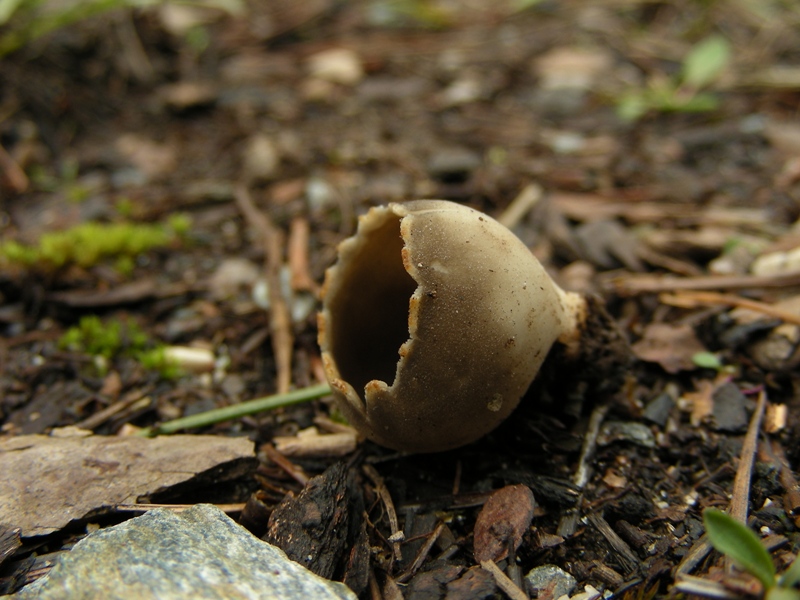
(502, 522)
(312, 528)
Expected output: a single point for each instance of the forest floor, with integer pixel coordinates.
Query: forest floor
(646, 152)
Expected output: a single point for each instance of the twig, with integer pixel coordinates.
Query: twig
(386, 498)
(521, 205)
(568, 523)
(422, 554)
(628, 559)
(582, 207)
(503, 582)
(691, 299)
(103, 415)
(226, 508)
(581, 477)
(298, 257)
(648, 284)
(700, 586)
(236, 411)
(740, 493)
(696, 554)
(284, 463)
(314, 444)
(280, 321)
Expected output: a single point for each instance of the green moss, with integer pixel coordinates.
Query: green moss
(115, 338)
(156, 359)
(88, 243)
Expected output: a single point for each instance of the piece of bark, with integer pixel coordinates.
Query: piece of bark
(47, 482)
(357, 567)
(313, 527)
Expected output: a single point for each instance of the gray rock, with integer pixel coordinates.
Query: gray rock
(557, 581)
(658, 410)
(626, 431)
(199, 553)
(730, 409)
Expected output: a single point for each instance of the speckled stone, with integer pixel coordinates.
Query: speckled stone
(199, 553)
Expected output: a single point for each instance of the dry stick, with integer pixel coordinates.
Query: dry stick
(624, 552)
(739, 495)
(645, 284)
(568, 523)
(298, 257)
(284, 463)
(280, 322)
(226, 508)
(422, 554)
(386, 498)
(503, 581)
(705, 588)
(520, 206)
(692, 299)
(696, 554)
(103, 415)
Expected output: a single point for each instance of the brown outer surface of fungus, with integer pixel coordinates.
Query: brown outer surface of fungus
(442, 317)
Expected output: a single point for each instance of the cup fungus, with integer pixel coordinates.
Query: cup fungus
(435, 321)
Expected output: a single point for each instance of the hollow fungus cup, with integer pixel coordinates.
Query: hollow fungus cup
(435, 321)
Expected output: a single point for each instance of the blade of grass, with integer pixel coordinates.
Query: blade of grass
(237, 411)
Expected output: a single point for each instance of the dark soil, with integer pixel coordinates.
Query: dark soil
(123, 117)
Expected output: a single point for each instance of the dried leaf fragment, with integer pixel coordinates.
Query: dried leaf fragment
(671, 346)
(502, 522)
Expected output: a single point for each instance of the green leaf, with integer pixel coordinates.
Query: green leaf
(782, 593)
(707, 360)
(740, 543)
(791, 576)
(705, 61)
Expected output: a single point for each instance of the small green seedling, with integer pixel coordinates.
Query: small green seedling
(739, 542)
(684, 93)
(710, 360)
(707, 360)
